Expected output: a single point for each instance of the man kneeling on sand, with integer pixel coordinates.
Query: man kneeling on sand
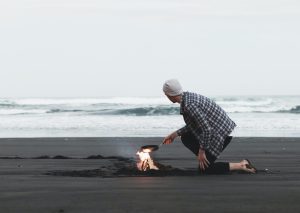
(206, 132)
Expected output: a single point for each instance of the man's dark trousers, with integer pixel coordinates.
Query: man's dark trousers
(189, 140)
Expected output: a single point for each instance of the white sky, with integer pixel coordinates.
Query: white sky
(91, 48)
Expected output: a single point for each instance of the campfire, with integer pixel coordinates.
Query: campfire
(145, 162)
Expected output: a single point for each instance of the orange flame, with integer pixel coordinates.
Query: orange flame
(145, 162)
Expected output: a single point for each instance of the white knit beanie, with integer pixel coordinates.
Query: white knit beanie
(172, 87)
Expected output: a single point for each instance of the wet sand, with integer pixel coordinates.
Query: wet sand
(88, 175)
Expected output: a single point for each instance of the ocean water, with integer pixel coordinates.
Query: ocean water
(270, 116)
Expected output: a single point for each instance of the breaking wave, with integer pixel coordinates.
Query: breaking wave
(143, 111)
(63, 110)
(293, 110)
(139, 111)
(141, 107)
(160, 111)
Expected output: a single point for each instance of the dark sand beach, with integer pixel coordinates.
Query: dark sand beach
(98, 175)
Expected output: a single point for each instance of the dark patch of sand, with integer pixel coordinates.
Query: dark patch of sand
(120, 167)
(125, 168)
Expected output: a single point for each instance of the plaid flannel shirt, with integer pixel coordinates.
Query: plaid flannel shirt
(207, 121)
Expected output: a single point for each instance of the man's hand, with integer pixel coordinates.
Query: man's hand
(203, 162)
(170, 138)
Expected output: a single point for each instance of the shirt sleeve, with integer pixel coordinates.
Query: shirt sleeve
(182, 130)
(202, 129)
